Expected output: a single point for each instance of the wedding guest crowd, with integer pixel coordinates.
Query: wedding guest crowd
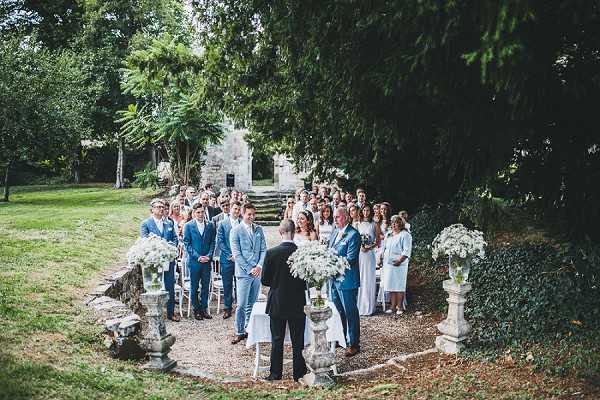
(216, 233)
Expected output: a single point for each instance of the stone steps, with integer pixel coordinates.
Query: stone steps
(269, 205)
(267, 223)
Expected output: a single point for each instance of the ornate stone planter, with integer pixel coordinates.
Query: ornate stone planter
(318, 356)
(459, 269)
(454, 328)
(157, 342)
(153, 277)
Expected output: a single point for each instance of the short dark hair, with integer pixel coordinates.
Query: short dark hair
(248, 206)
(235, 203)
(197, 205)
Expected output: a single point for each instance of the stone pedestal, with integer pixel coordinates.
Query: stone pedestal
(318, 356)
(454, 328)
(157, 342)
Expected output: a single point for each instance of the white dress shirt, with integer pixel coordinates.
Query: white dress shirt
(339, 235)
(159, 224)
(200, 226)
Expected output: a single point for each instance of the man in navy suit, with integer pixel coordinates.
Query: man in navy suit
(228, 222)
(345, 240)
(163, 228)
(199, 241)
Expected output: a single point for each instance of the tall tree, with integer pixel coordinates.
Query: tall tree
(171, 113)
(109, 28)
(42, 104)
(449, 93)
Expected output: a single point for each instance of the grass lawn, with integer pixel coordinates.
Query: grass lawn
(56, 241)
(262, 182)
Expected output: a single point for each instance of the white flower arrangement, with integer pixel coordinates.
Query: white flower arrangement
(458, 241)
(152, 252)
(315, 263)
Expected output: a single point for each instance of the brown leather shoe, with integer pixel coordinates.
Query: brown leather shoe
(175, 318)
(198, 315)
(226, 314)
(239, 338)
(205, 315)
(352, 351)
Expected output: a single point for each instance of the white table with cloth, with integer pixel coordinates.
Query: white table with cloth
(259, 331)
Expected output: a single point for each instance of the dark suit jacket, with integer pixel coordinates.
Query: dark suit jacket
(286, 294)
(212, 212)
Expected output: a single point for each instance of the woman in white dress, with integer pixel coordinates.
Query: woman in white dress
(366, 261)
(396, 253)
(305, 230)
(325, 227)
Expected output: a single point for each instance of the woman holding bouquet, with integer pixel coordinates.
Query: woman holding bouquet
(369, 235)
(397, 249)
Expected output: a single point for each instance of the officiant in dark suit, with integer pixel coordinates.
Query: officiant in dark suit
(285, 303)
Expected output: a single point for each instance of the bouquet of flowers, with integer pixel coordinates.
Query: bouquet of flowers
(152, 253)
(365, 240)
(459, 244)
(315, 263)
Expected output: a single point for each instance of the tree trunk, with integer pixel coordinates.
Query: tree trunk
(6, 186)
(120, 182)
(153, 157)
(187, 163)
(75, 165)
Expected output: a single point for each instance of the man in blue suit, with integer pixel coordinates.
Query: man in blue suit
(228, 222)
(345, 240)
(163, 228)
(249, 248)
(199, 241)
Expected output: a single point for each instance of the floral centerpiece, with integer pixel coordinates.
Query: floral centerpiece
(462, 246)
(154, 254)
(315, 264)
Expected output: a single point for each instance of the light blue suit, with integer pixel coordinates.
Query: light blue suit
(148, 227)
(197, 245)
(227, 266)
(248, 251)
(344, 293)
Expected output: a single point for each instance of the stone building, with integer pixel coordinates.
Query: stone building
(234, 156)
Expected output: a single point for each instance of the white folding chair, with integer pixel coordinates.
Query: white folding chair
(185, 287)
(216, 288)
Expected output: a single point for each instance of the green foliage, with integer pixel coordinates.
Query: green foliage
(526, 291)
(539, 297)
(45, 118)
(171, 111)
(447, 92)
(147, 178)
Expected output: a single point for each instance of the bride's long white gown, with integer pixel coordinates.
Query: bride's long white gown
(367, 264)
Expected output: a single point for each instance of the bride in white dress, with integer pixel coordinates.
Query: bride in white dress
(305, 229)
(367, 261)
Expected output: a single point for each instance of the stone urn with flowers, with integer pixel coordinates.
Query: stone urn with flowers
(316, 264)
(463, 247)
(154, 254)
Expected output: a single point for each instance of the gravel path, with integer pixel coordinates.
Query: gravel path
(205, 345)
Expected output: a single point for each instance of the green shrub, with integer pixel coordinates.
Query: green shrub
(147, 178)
(526, 291)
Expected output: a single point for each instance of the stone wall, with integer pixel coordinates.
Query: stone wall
(231, 156)
(116, 305)
(286, 178)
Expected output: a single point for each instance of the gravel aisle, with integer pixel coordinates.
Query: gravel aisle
(206, 344)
